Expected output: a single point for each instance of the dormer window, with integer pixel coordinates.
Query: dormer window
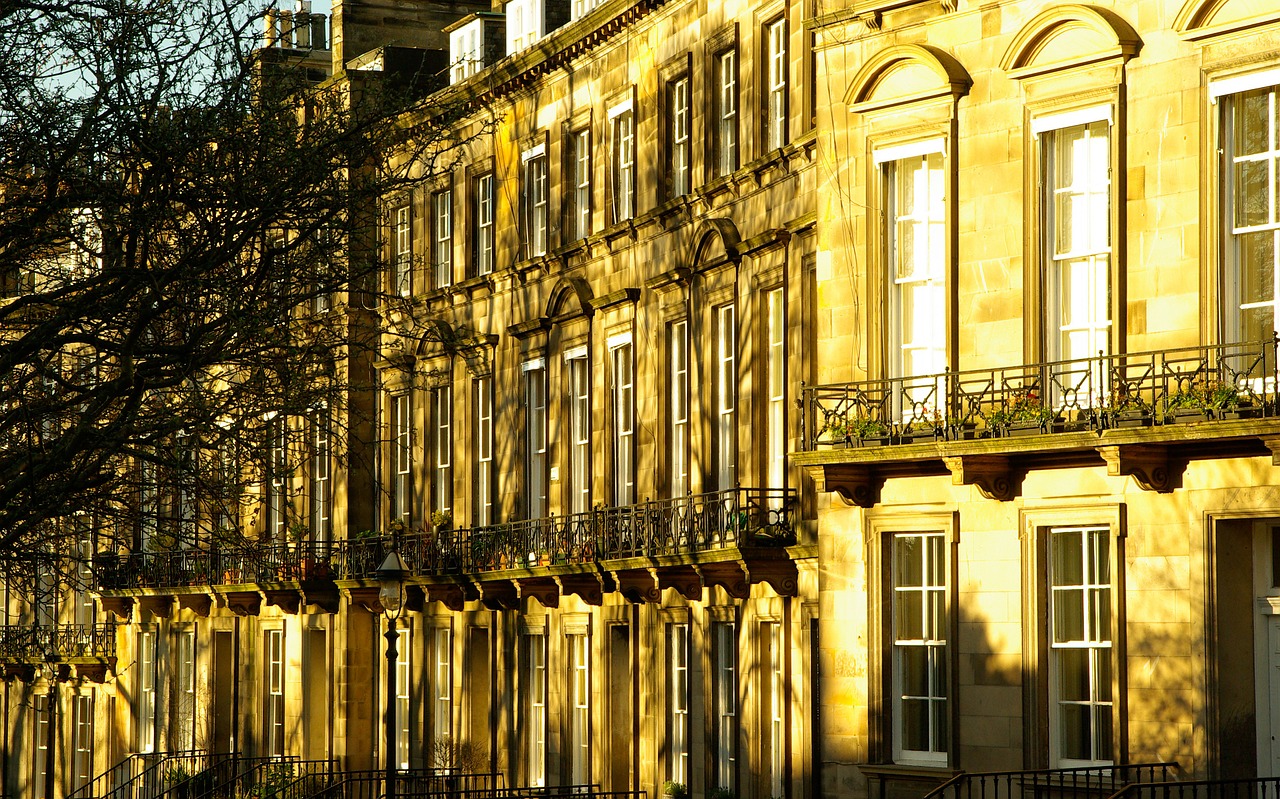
(524, 24)
(466, 57)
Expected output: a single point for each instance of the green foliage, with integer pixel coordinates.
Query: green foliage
(676, 790)
(1022, 406)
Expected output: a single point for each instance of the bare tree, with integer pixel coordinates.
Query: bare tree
(188, 240)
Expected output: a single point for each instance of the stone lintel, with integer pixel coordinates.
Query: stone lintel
(856, 483)
(991, 474)
(1149, 465)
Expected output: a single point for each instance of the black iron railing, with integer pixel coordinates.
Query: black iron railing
(417, 784)
(1256, 788)
(1149, 388)
(1089, 782)
(739, 517)
(27, 643)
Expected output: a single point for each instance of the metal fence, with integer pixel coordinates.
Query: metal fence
(1091, 782)
(49, 642)
(1175, 386)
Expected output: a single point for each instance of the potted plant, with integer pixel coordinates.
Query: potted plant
(723, 793)
(1189, 403)
(868, 432)
(676, 790)
(925, 428)
(1023, 413)
(1128, 409)
(440, 520)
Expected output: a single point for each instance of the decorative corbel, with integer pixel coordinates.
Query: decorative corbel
(991, 474)
(1149, 465)
(1273, 443)
(855, 483)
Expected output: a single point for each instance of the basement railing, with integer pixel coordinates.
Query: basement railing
(1250, 788)
(738, 517)
(1205, 383)
(1086, 782)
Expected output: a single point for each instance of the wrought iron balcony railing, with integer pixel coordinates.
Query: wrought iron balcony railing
(739, 517)
(1098, 781)
(1227, 381)
(32, 643)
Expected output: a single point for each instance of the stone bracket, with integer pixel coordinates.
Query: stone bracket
(200, 603)
(159, 605)
(857, 484)
(544, 589)
(121, 606)
(326, 598)
(1149, 465)
(451, 596)
(638, 585)
(499, 594)
(287, 599)
(684, 579)
(590, 586)
(780, 574)
(1273, 443)
(732, 576)
(992, 475)
(244, 603)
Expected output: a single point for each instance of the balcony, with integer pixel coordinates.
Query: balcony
(88, 648)
(731, 538)
(1139, 414)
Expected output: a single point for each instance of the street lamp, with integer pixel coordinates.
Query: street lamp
(390, 576)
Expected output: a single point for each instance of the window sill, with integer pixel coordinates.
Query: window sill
(893, 772)
(472, 285)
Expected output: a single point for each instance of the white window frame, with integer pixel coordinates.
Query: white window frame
(916, 223)
(622, 121)
(1230, 94)
(524, 20)
(678, 701)
(484, 228)
(1095, 591)
(920, 630)
(681, 138)
(273, 721)
(82, 768)
(442, 245)
(321, 477)
(536, 200)
(579, 646)
(578, 373)
(581, 184)
(622, 390)
(583, 7)
(442, 683)
(184, 735)
(147, 691)
(775, 710)
(536, 693)
(41, 776)
(726, 682)
(404, 709)
(776, 84)
(1077, 274)
(726, 111)
(465, 57)
(776, 388)
(485, 473)
(278, 479)
(726, 397)
(678, 355)
(400, 406)
(402, 273)
(442, 483)
(535, 396)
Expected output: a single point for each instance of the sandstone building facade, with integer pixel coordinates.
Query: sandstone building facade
(794, 399)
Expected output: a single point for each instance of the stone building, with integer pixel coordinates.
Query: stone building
(802, 400)
(1055, 221)
(581, 415)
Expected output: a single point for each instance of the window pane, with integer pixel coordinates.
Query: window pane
(1068, 615)
(1252, 122)
(1252, 200)
(909, 561)
(1257, 262)
(915, 671)
(910, 621)
(1074, 732)
(915, 724)
(1067, 566)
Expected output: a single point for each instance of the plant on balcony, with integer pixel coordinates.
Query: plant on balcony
(441, 520)
(723, 793)
(1127, 408)
(676, 790)
(162, 542)
(865, 430)
(1022, 412)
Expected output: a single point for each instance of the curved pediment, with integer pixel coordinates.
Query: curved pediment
(715, 241)
(1069, 36)
(905, 74)
(1200, 19)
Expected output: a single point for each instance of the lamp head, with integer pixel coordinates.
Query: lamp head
(391, 575)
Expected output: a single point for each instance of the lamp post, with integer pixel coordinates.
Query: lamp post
(390, 576)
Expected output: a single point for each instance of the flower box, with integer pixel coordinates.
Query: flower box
(1132, 418)
(873, 441)
(1025, 428)
(1187, 415)
(1240, 412)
